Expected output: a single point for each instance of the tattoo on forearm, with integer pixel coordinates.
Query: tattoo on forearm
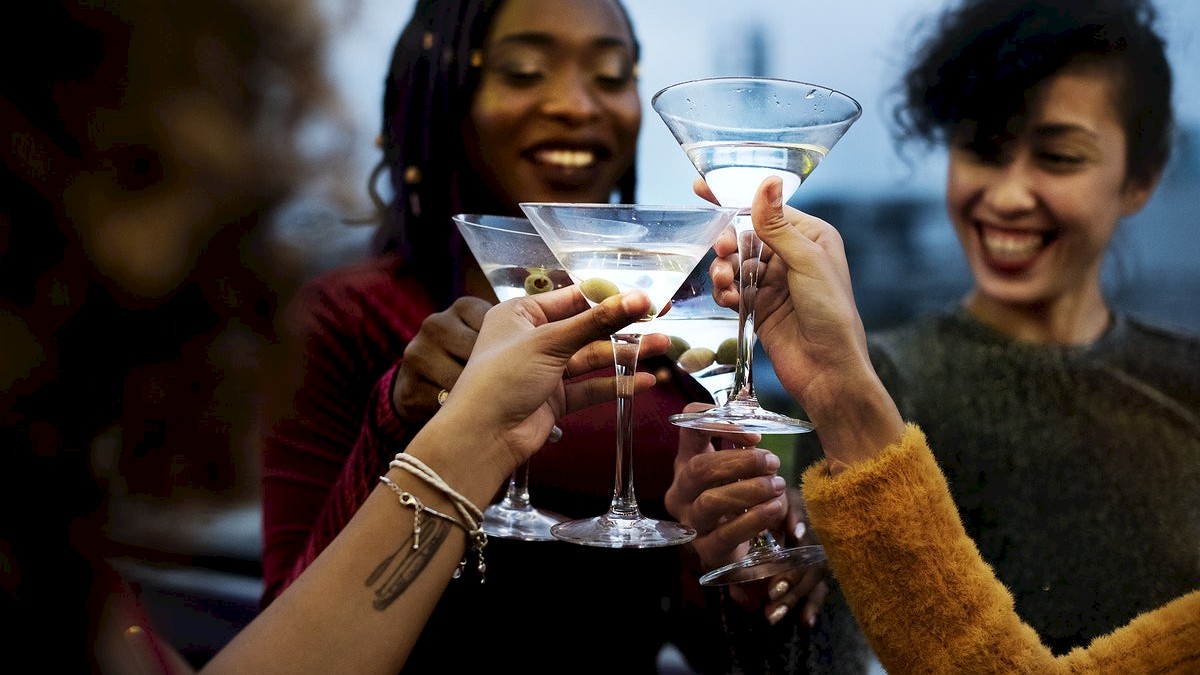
(396, 573)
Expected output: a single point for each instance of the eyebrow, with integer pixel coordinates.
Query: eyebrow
(544, 39)
(1060, 129)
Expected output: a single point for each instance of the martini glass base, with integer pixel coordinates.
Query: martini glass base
(527, 523)
(765, 564)
(739, 418)
(608, 531)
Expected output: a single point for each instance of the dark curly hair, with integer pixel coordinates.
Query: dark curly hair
(981, 58)
(428, 92)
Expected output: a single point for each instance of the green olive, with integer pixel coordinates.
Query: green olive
(727, 352)
(537, 282)
(597, 289)
(696, 358)
(677, 348)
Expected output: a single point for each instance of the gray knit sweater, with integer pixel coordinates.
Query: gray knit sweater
(1076, 469)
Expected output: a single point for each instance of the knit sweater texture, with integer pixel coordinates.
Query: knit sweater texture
(928, 601)
(1076, 469)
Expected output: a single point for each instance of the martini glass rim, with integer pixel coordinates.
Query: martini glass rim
(476, 220)
(754, 79)
(668, 208)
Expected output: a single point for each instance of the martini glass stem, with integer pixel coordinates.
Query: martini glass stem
(625, 355)
(517, 496)
(749, 251)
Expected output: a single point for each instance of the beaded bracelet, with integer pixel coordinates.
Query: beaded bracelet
(472, 516)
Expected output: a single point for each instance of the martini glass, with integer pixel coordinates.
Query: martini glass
(516, 262)
(607, 249)
(737, 131)
(703, 334)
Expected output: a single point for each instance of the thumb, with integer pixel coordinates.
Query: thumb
(766, 211)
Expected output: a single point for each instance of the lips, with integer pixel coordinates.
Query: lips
(1012, 248)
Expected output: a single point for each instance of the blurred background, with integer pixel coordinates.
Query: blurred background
(198, 567)
(887, 205)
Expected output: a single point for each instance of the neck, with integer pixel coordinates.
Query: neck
(1074, 321)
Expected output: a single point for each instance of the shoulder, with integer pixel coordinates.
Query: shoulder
(371, 290)
(1161, 337)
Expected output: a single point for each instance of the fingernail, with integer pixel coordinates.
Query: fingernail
(811, 618)
(801, 528)
(777, 614)
(555, 434)
(778, 590)
(770, 461)
(778, 483)
(777, 194)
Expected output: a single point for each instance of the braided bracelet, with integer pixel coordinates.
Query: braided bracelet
(418, 507)
(472, 516)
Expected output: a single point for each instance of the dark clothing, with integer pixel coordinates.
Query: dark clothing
(1076, 469)
(549, 604)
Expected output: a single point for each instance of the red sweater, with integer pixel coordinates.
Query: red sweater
(338, 430)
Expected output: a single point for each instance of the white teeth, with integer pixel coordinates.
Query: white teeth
(1011, 245)
(568, 158)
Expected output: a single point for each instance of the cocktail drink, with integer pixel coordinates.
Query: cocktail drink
(517, 263)
(703, 334)
(737, 131)
(608, 249)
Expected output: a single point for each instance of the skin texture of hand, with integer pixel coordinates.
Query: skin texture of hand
(509, 394)
(730, 497)
(434, 359)
(807, 322)
(542, 334)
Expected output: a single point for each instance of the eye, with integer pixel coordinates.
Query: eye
(613, 70)
(1060, 160)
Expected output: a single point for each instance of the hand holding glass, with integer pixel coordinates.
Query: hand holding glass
(737, 131)
(611, 248)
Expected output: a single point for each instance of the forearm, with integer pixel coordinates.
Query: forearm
(920, 590)
(854, 416)
(363, 602)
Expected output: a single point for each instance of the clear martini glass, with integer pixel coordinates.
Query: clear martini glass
(703, 333)
(737, 131)
(611, 248)
(516, 262)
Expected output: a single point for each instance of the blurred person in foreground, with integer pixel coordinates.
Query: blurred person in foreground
(145, 144)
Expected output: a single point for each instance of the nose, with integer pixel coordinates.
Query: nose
(1011, 190)
(571, 96)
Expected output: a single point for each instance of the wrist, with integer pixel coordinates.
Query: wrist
(467, 455)
(855, 419)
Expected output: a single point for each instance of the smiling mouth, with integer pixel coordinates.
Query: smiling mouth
(566, 159)
(1013, 246)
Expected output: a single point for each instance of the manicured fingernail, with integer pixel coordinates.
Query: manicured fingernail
(777, 614)
(778, 590)
(801, 528)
